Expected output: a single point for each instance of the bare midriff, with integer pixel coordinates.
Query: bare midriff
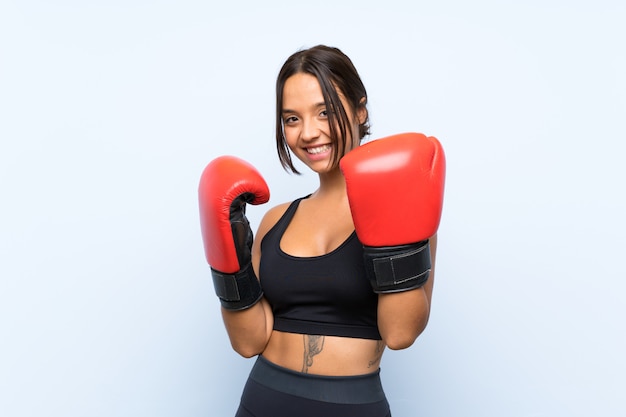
(324, 355)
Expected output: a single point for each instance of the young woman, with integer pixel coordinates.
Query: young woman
(317, 325)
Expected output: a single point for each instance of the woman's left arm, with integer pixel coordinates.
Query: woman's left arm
(403, 316)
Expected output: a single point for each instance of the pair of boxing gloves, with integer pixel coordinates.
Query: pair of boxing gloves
(395, 189)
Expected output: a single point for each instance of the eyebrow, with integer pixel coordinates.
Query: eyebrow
(317, 105)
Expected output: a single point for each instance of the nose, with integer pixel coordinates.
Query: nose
(310, 130)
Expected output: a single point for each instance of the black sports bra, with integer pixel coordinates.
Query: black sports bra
(321, 295)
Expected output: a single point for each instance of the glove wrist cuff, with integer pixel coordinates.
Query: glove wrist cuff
(397, 268)
(237, 291)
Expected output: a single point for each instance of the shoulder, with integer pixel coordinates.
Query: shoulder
(268, 221)
(274, 214)
(271, 217)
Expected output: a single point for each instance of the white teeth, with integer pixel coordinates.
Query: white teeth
(319, 149)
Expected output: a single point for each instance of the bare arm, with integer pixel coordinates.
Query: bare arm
(403, 316)
(249, 330)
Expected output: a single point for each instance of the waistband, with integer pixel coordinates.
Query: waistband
(353, 389)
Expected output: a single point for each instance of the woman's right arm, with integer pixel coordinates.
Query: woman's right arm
(249, 330)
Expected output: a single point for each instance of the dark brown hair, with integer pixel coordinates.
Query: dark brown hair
(336, 74)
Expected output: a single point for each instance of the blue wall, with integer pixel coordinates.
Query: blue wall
(109, 111)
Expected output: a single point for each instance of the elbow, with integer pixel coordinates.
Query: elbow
(247, 353)
(400, 341)
(403, 337)
(246, 350)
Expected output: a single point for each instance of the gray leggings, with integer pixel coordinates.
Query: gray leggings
(273, 391)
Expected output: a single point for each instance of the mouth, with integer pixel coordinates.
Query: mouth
(318, 149)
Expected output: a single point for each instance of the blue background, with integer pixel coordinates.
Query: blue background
(110, 110)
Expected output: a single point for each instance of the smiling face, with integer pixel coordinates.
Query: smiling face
(326, 75)
(306, 122)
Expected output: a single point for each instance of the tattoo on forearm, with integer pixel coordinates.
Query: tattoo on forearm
(312, 346)
(378, 354)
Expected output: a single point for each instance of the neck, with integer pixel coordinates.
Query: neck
(332, 184)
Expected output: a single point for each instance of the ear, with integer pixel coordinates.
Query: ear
(361, 112)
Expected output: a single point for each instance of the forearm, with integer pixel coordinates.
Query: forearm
(402, 317)
(249, 330)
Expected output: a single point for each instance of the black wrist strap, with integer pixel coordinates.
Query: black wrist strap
(237, 291)
(398, 268)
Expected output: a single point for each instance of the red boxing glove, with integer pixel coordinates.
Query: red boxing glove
(226, 185)
(395, 189)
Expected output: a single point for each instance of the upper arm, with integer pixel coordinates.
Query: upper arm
(267, 222)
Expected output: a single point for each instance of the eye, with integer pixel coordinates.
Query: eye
(290, 120)
(324, 113)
